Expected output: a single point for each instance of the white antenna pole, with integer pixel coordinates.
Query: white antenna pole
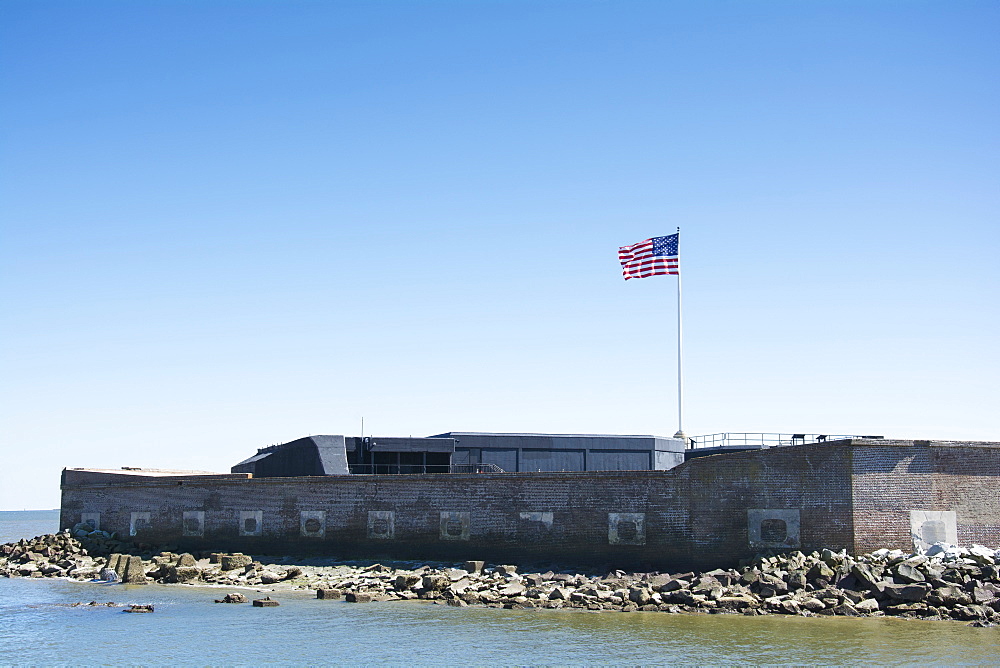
(680, 374)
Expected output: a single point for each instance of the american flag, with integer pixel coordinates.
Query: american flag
(652, 257)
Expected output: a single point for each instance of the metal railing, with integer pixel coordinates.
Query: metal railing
(403, 469)
(762, 440)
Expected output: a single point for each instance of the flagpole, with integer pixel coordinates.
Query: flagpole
(680, 375)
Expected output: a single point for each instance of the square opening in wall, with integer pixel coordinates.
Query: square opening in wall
(193, 523)
(626, 528)
(776, 528)
(251, 522)
(312, 523)
(455, 526)
(381, 524)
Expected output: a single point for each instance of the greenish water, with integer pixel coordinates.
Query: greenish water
(38, 626)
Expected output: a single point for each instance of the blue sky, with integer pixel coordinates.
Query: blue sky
(230, 224)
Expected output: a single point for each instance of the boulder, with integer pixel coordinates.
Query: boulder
(821, 571)
(134, 571)
(474, 566)
(406, 582)
(867, 605)
(235, 597)
(913, 593)
(639, 595)
(329, 594)
(265, 602)
(560, 594)
(513, 589)
(435, 582)
(907, 573)
(185, 559)
(183, 573)
(358, 597)
(269, 577)
(230, 562)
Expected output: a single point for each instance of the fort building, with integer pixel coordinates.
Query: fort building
(627, 501)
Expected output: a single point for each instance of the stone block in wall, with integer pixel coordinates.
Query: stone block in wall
(626, 528)
(933, 526)
(773, 528)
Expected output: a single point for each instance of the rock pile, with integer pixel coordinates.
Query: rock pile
(52, 555)
(97, 543)
(946, 582)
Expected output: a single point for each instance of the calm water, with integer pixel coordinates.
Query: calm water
(37, 626)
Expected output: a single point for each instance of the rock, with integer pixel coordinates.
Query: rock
(912, 593)
(909, 573)
(846, 610)
(134, 571)
(231, 562)
(109, 575)
(117, 562)
(821, 571)
(406, 582)
(457, 602)
(675, 585)
(357, 597)
(185, 560)
(982, 555)
(435, 582)
(864, 575)
(235, 597)
(560, 594)
(789, 606)
(460, 586)
(796, 580)
(474, 566)
(139, 608)
(983, 595)
(740, 602)
(640, 595)
(269, 577)
(265, 602)
(329, 594)
(813, 604)
(513, 589)
(867, 605)
(506, 570)
(183, 573)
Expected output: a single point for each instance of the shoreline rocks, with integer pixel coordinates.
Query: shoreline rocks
(945, 582)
